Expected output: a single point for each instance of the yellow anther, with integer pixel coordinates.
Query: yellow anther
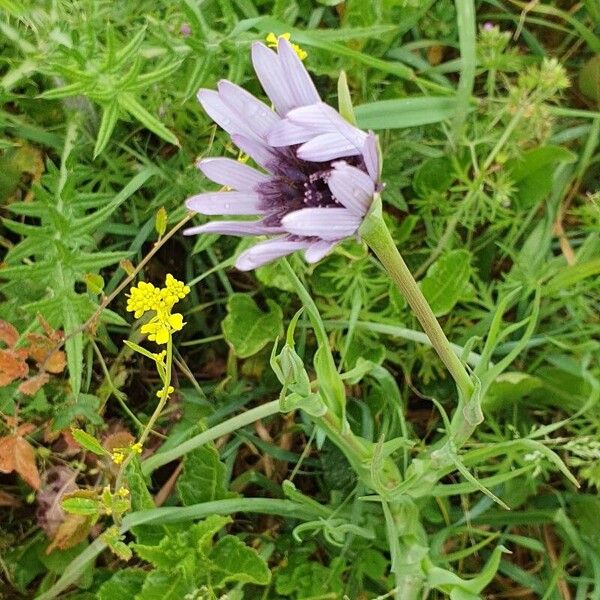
(272, 39)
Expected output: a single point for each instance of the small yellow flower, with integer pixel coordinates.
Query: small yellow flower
(271, 40)
(146, 297)
(123, 492)
(118, 457)
(137, 448)
(161, 393)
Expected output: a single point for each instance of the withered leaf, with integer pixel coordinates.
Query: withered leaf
(42, 350)
(7, 499)
(33, 385)
(17, 454)
(54, 335)
(12, 365)
(8, 334)
(73, 530)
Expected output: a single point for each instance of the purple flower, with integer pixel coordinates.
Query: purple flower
(320, 172)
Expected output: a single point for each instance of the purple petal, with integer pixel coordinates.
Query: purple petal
(351, 187)
(255, 114)
(266, 252)
(221, 114)
(321, 118)
(371, 156)
(327, 147)
(326, 223)
(260, 152)
(299, 81)
(317, 251)
(232, 173)
(271, 76)
(225, 203)
(234, 228)
(286, 133)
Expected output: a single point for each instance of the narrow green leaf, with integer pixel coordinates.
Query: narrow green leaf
(405, 112)
(344, 99)
(132, 106)
(465, 17)
(110, 116)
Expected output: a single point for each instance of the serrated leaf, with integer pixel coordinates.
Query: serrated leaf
(203, 477)
(160, 221)
(237, 562)
(80, 506)
(89, 442)
(447, 281)
(248, 329)
(123, 585)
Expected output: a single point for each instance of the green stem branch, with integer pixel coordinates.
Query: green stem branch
(375, 233)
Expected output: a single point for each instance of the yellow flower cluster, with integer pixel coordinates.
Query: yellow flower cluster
(271, 40)
(147, 297)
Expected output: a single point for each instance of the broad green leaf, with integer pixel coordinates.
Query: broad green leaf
(531, 172)
(447, 281)
(237, 562)
(163, 585)
(203, 477)
(183, 547)
(589, 78)
(202, 533)
(248, 329)
(132, 106)
(89, 442)
(81, 506)
(433, 175)
(404, 112)
(273, 275)
(123, 585)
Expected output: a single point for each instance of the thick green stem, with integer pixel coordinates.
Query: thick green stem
(375, 233)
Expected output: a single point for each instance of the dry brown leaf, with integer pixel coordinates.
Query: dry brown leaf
(119, 439)
(41, 349)
(55, 335)
(12, 365)
(17, 454)
(9, 500)
(8, 334)
(56, 482)
(33, 385)
(73, 530)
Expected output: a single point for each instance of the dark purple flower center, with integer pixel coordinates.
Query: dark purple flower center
(297, 184)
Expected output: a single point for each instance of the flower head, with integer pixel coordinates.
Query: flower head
(319, 176)
(146, 297)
